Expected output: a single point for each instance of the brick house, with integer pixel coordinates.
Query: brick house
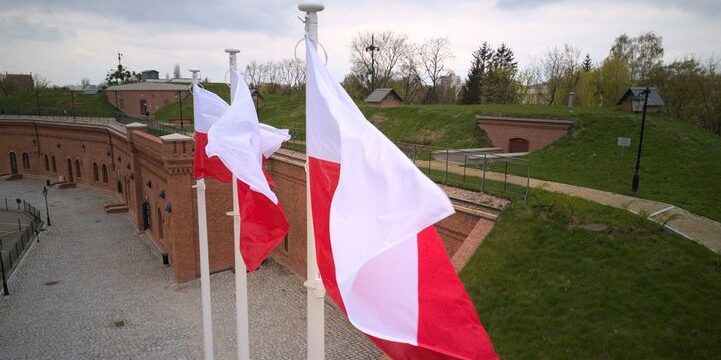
(655, 102)
(383, 98)
(145, 98)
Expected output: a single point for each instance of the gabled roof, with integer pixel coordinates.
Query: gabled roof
(379, 94)
(654, 99)
(149, 86)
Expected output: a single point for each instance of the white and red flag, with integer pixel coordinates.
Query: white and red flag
(207, 109)
(242, 144)
(378, 252)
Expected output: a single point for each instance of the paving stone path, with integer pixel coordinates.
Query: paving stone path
(694, 227)
(93, 289)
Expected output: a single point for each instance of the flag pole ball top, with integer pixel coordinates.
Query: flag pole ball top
(311, 6)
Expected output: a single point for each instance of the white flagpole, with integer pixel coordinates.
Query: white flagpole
(314, 284)
(241, 278)
(204, 261)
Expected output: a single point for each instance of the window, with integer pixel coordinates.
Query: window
(26, 161)
(55, 168)
(160, 224)
(77, 168)
(47, 163)
(105, 174)
(95, 172)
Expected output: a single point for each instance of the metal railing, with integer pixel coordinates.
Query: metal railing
(482, 170)
(14, 243)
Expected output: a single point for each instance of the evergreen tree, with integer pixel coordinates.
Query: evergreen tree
(477, 75)
(587, 64)
(500, 84)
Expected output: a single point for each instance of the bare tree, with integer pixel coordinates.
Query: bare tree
(254, 74)
(391, 49)
(410, 75)
(40, 81)
(433, 54)
(558, 70)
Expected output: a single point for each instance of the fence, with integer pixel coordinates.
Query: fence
(481, 170)
(14, 243)
(155, 128)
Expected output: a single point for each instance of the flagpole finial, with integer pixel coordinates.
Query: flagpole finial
(311, 6)
(195, 74)
(232, 51)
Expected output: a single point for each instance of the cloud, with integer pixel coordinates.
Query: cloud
(17, 26)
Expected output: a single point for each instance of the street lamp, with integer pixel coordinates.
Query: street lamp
(180, 106)
(636, 103)
(372, 48)
(47, 210)
(2, 269)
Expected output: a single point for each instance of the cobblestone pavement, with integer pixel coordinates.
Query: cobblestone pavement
(92, 289)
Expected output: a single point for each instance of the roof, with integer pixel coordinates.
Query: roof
(379, 94)
(149, 86)
(654, 99)
(91, 90)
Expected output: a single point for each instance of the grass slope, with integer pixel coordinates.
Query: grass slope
(56, 102)
(546, 288)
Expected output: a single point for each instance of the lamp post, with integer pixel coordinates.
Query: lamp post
(47, 209)
(72, 99)
(180, 106)
(372, 48)
(2, 269)
(637, 171)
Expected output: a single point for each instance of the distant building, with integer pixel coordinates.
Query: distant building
(19, 81)
(145, 98)
(91, 90)
(522, 135)
(384, 98)
(655, 102)
(149, 75)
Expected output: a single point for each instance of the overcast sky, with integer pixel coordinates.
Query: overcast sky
(67, 40)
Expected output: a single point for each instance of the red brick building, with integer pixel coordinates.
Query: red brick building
(383, 98)
(145, 98)
(153, 177)
(655, 102)
(519, 135)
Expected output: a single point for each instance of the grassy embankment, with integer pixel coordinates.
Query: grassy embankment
(547, 287)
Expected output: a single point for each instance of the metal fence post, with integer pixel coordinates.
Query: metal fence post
(465, 164)
(445, 176)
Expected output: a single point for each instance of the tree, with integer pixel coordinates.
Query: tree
(641, 53)
(434, 54)
(500, 78)
(558, 71)
(613, 79)
(391, 50)
(176, 71)
(587, 64)
(85, 82)
(410, 82)
(472, 92)
(121, 75)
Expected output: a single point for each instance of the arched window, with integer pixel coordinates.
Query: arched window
(13, 163)
(77, 168)
(47, 163)
(105, 174)
(95, 172)
(160, 224)
(55, 168)
(26, 161)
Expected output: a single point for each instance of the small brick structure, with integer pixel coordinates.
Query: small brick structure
(383, 98)
(145, 98)
(519, 135)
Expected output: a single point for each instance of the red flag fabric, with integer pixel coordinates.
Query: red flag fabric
(378, 253)
(241, 143)
(207, 109)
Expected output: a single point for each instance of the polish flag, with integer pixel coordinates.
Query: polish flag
(207, 109)
(378, 252)
(242, 144)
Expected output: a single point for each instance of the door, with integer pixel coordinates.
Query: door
(144, 107)
(146, 215)
(13, 164)
(518, 145)
(70, 171)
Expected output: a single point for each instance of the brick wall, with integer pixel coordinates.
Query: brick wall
(128, 101)
(538, 132)
(158, 171)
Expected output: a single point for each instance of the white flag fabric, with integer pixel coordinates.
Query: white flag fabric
(378, 253)
(242, 144)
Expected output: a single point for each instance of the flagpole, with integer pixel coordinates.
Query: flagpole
(314, 284)
(204, 261)
(241, 278)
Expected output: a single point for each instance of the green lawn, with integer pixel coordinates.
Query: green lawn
(546, 288)
(56, 102)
